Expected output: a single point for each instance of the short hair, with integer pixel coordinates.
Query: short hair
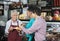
(34, 9)
(14, 11)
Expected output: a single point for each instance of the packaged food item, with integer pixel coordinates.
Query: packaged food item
(22, 16)
(56, 15)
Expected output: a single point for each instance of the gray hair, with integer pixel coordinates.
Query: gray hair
(14, 12)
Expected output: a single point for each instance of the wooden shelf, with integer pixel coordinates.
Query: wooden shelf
(53, 21)
(46, 21)
(24, 19)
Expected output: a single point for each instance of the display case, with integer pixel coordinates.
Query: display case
(52, 14)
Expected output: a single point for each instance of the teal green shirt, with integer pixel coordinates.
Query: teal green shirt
(29, 25)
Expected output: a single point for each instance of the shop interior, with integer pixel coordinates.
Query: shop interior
(50, 10)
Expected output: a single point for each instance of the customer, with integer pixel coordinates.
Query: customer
(12, 27)
(30, 36)
(38, 27)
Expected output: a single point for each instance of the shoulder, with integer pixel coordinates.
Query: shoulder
(20, 22)
(9, 21)
(41, 20)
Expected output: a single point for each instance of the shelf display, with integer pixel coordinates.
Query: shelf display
(53, 31)
(52, 14)
(46, 16)
(50, 18)
(23, 16)
(15, 5)
(53, 19)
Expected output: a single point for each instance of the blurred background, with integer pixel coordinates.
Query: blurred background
(50, 10)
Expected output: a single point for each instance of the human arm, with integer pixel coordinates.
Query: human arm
(7, 27)
(36, 26)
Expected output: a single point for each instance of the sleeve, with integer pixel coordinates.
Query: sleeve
(20, 22)
(29, 24)
(36, 26)
(7, 27)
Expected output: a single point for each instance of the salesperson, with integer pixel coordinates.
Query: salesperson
(39, 26)
(12, 27)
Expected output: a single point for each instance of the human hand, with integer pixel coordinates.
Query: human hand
(21, 27)
(23, 24)
(10, 29)
(18, 28)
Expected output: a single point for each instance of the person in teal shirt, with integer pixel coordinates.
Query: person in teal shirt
(29, 36)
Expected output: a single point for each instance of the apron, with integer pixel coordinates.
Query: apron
(14, 35)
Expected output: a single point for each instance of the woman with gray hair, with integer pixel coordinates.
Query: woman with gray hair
(12, 27)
